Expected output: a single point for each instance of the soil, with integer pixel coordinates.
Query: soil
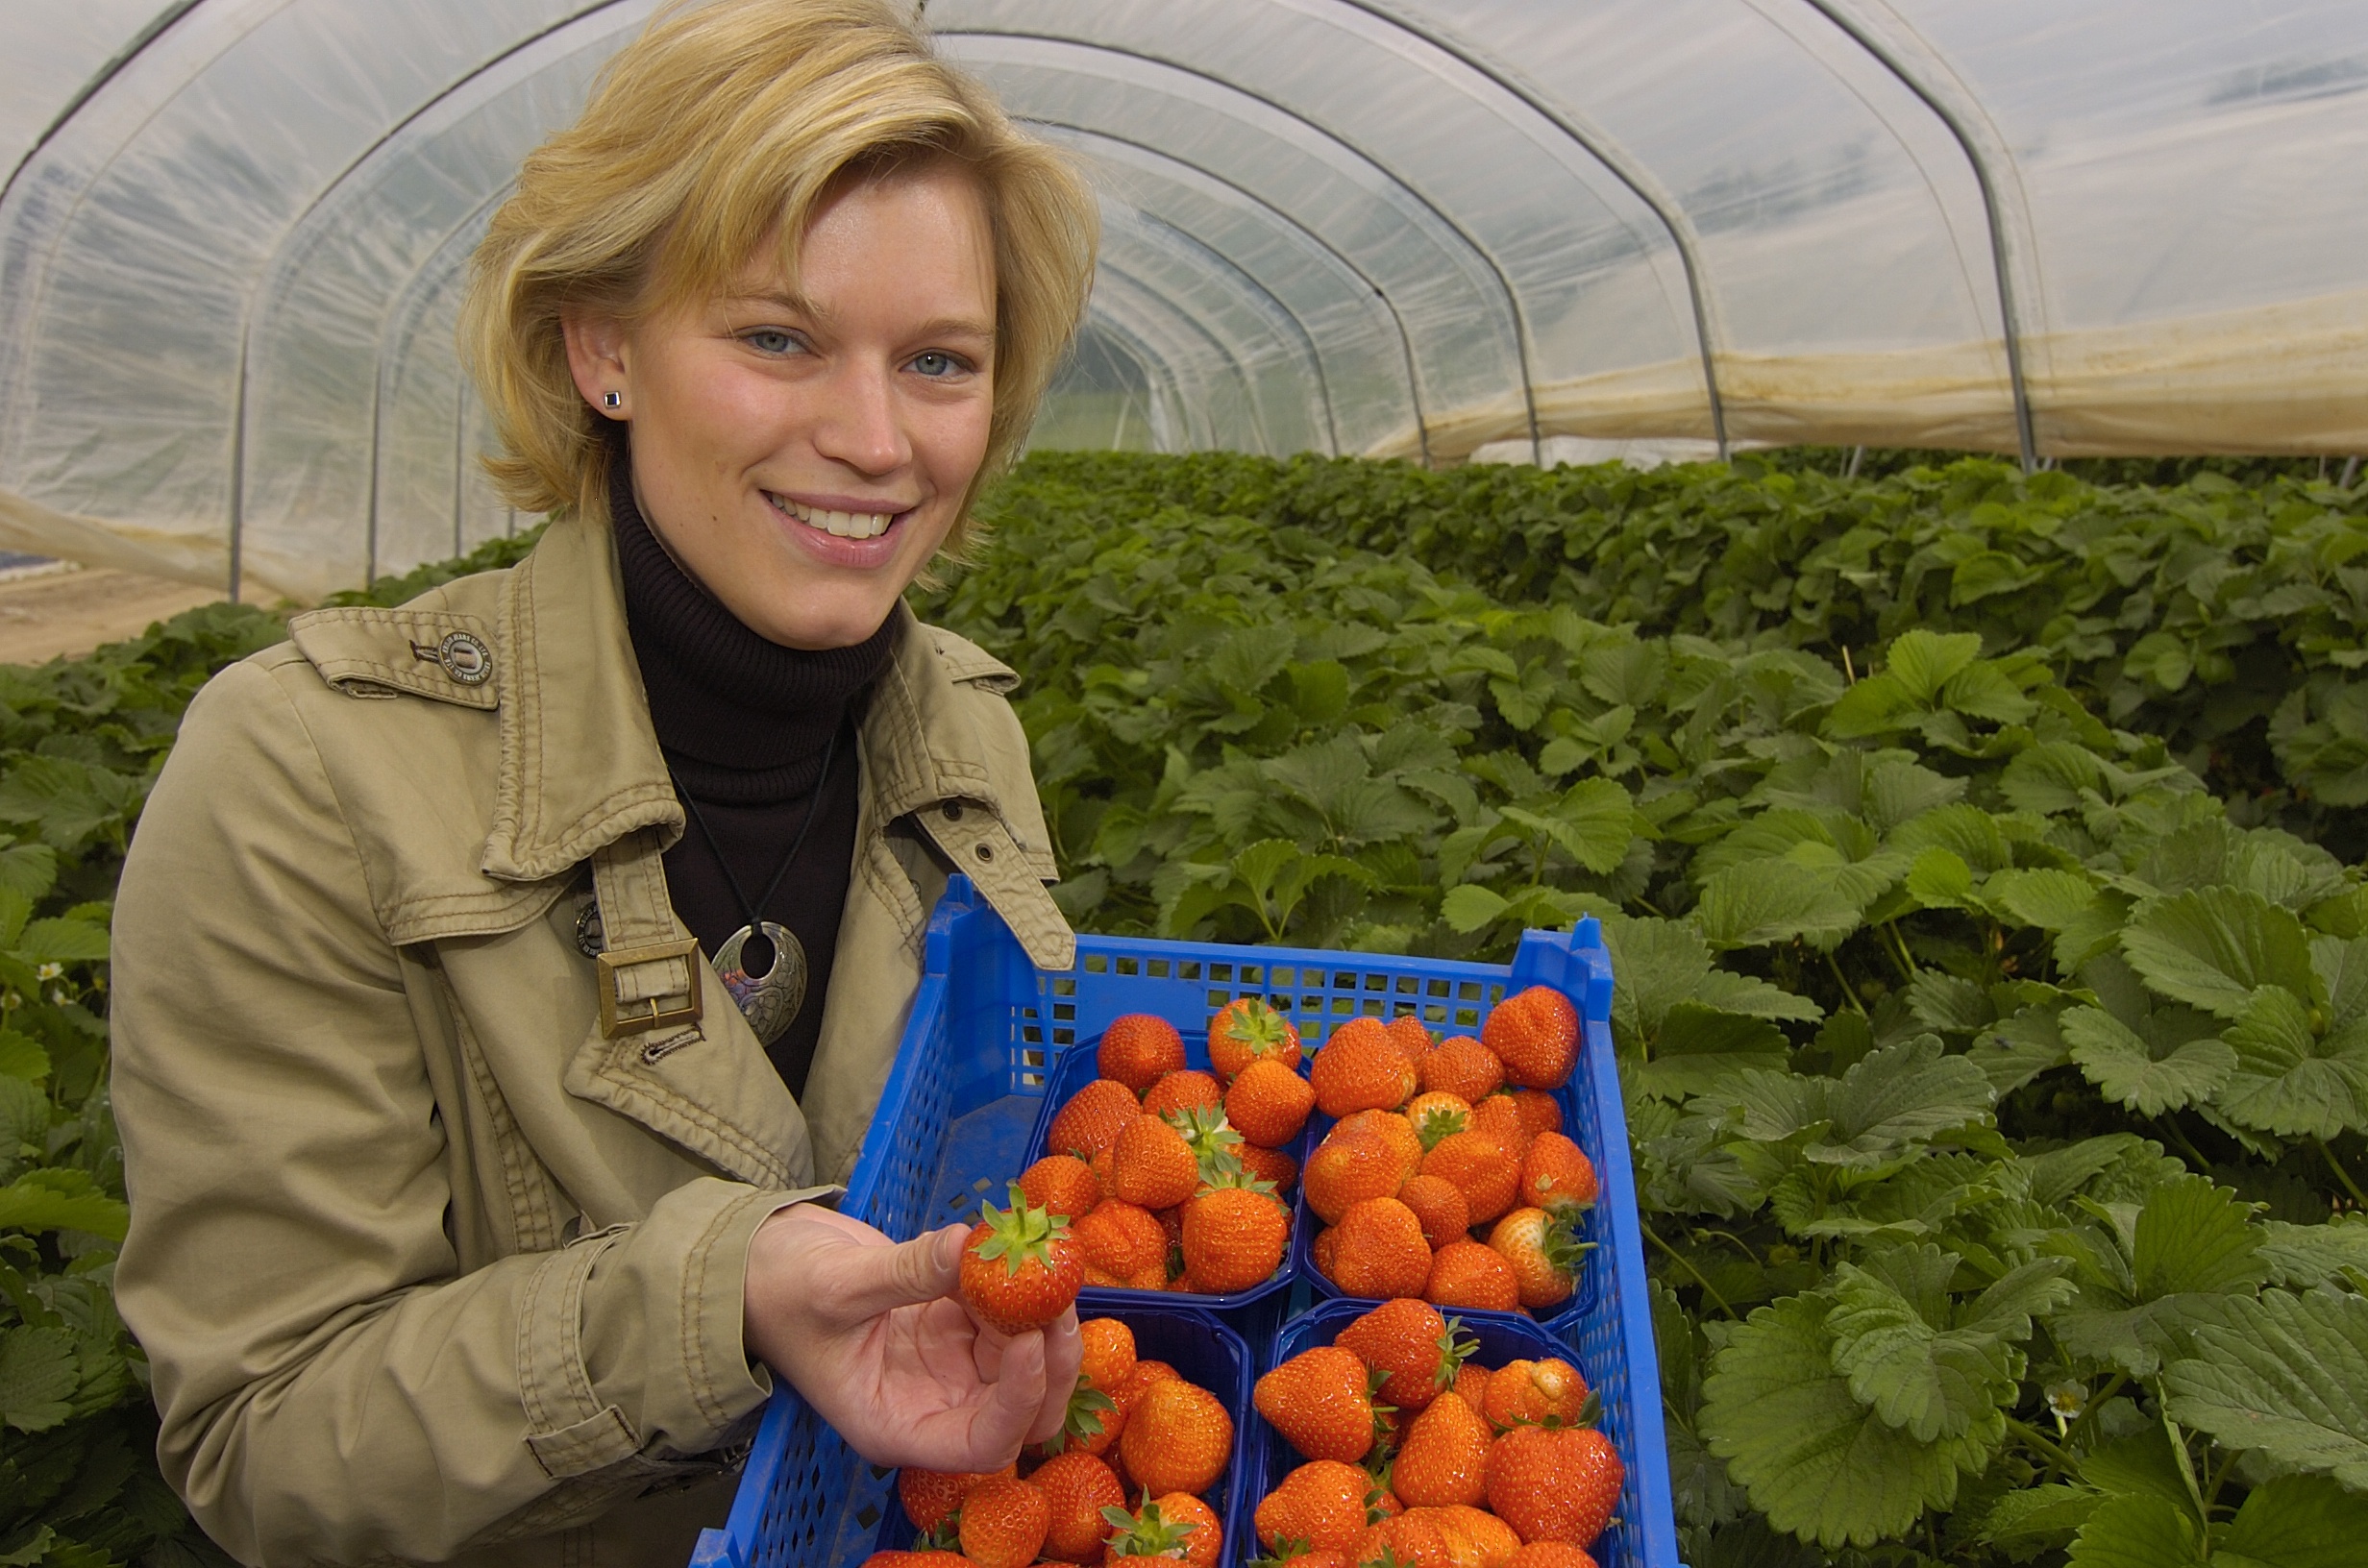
(49, 614)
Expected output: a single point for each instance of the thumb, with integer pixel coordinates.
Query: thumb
(875, 1279)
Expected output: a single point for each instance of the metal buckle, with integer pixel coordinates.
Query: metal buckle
(615, 1020)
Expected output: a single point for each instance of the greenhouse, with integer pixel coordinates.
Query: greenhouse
(1823, 539)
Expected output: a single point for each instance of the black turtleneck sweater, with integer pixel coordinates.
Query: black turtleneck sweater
(744, 724)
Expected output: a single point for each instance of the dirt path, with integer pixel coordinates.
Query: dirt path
(51, 613)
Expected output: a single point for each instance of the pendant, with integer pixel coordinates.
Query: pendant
(770, 998)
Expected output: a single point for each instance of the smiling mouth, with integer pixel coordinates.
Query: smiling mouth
(840, 524)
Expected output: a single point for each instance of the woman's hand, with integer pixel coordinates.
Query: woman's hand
(874, 1333)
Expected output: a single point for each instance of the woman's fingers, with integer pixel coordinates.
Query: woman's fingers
(869, 1280)
(1013, 1404)
(1064, 1354)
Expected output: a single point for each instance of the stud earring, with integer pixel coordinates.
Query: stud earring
(612, 398)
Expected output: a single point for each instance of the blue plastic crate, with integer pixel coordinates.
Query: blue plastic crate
(1643, 1533)
(1205, 1350)
(964, 1097)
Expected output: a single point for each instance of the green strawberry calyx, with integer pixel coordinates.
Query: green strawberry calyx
(1145, 1533)
(1020, 1234)
(1455, 1348)
(1259, 1027)
(1438, 1123)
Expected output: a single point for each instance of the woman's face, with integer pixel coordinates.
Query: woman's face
(803, 454)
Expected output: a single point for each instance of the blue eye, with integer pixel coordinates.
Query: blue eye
(771, 340)
(936, 362)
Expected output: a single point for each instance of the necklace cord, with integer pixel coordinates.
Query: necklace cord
(754, 911)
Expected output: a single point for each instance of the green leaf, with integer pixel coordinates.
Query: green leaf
(1940, 879)
(63, 942)
(2192, 1237)
(2038, 1516)
(2290, 1074)
(24, 1119)
(37, 1378)
(2138, 1532)
(22, 1058)
(2150, 1076)
(2288, 1376)
(1814, 1459)
(1699, 1048)
(2296, 1522)
(2213, 948)
(1656, 964)
(30, 869)
(1769, 901)
(2047, 898)
(1943, 1001)
(1471, 906)
(60, 1200)
(1924, 661)
(1894, 1341)
(1891, 1098)
(1728, 992)
(2301, 1256)
(2141, 1464)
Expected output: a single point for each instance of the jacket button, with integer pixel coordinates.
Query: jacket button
(986, 852)
(954, 811)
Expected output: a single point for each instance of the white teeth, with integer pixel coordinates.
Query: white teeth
(840, 524)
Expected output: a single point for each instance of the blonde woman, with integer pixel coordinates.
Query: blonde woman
(502, 980)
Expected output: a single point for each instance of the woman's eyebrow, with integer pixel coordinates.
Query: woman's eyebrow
(799, 304)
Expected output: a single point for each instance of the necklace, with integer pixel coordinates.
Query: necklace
(762, 964)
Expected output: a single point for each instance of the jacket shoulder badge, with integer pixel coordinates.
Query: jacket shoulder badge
(366, 651)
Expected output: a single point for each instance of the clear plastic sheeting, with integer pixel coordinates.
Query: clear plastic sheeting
(233, 234)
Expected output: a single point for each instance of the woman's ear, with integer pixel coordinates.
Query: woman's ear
(595, 359)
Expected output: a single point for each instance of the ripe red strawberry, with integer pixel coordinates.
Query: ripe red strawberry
(1435, 1113)
(1076, 1487)
(1536, 1034)
(1323, 1503)
(1216, 1146)
(1409, 1340)
(1178, 1438)
(1177, 1527)
(1462, 1067)
(1269, 1103)
(1499, 1118)
(1489, 1178)
(1319, 1401)
(1550, 1555)
(1463, 1273)
(917, 1559)
(1351, 1164)
(1438, 1204)
(1300, 1555)
(1556, 1175)
(1443, 1456)
(1021, 1268)
(1235, 1230)
(1360, 1070)
(1122, 1239)
(1150, 1165)
(1089, 1122)
(1246, 1029)
(1555, 1484)
(1543, 1253)
(1061, 1184)
(1131, 1387)
(931, 1495)
(1539, 1110)
(1090, 1424)
(1476, 1536)
(1471, 1382)
(1184, 1090)
(1137, 1048)
(1380, 1251)
(1269, 1165)
(1413, 1040)
(1108, 1351)
(1542, 1393)
(1412, 1539)
(1392, 1129)
(1003, 1521)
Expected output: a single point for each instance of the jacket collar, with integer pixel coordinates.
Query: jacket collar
(581, 765)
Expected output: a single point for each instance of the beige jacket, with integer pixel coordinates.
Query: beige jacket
(428, 1259)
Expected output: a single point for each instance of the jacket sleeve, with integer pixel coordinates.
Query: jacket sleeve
(331, 1387)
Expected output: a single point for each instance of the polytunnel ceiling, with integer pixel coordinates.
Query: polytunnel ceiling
(234, 233)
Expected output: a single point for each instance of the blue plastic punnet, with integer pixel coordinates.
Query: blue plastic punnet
(961, 1115)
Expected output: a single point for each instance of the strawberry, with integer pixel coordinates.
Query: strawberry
(1178, 1527)
(917, 1559)
(1541, 1111)
(1556, 1175)
(1408, 1339)
(1544, 1254)
(1554, 1484)
(1269, 1165)
(1061, 1184)
(1349, 1166)
(1360, 1070)
(1136, 1384)
(1535, 1034)
(1178, 1438)
(1107, 1352)
(1489, 1178)
(1021, 1268)
(1003, 1521)
(1182, 1090)
(1405, 1540)
(1476, 1536)
(1235, 1230)
(1323, 1503)
(1381, 1252)
(1325, 1251)
(1435, 1113)
(1546, 1393)
(1463, 1273)
(1090, 1122)
(1499, 1118)
(1462, 1067)
(1439, 1206)
(931, 1495)
(1076, 1488)
(1319, 1400)
(1472, 1380)
(1444, 1456)
(1269, 1103)
(1246, 1029)
(1395, 1130)
(1122, 1239)
(1137, 1048)
(1150, 1165)
(1550, 1555)
(1089, 1426)
(1413, 1040)
(1209, 1136)
(1300, 1554)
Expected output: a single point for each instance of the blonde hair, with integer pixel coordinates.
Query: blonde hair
(724, 123)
